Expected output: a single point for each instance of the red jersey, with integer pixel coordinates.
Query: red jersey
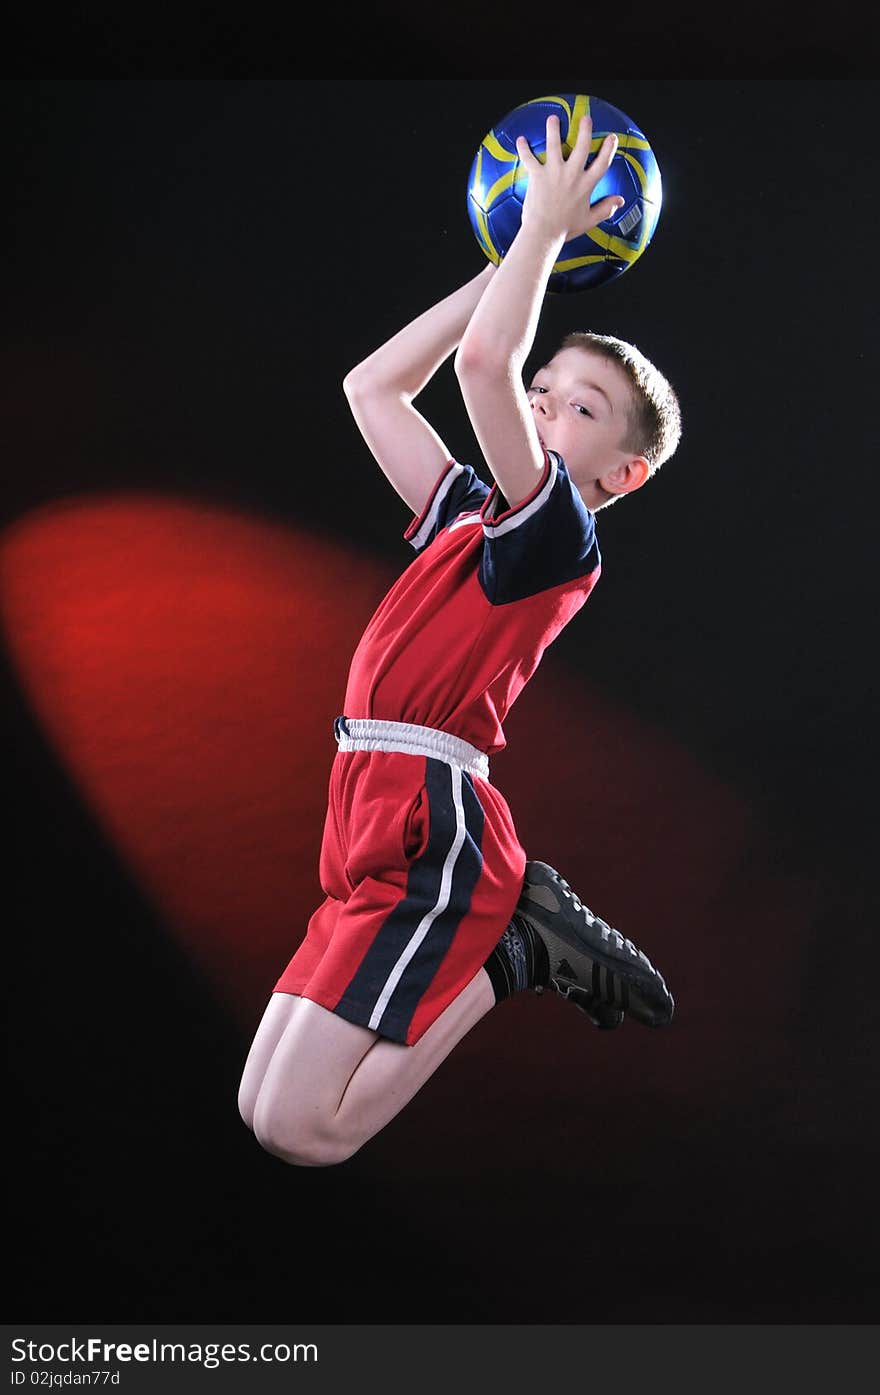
(420, 862)
(463, 629)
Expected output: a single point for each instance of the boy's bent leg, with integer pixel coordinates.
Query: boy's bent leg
(331, 1085)
(279, 1010)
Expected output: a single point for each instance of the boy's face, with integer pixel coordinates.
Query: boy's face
(579, 404)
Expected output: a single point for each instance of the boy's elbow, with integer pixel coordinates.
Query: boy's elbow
(463, 357)
(475, 359)
(367, 382)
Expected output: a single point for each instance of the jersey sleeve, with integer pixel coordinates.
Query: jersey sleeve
(549, 538)
(458, 490)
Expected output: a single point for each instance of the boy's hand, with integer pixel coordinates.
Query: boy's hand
(558, 195)
(502, 329)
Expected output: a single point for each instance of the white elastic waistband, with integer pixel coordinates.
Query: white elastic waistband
(405, 738)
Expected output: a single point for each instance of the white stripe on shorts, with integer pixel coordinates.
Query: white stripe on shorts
(438, 908)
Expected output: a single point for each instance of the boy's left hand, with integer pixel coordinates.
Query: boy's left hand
(557, 199)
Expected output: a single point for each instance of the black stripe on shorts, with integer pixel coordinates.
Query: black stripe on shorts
(406, 953)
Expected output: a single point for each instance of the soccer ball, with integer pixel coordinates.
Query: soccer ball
(497, 186)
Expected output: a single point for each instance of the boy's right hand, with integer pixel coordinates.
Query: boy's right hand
(557, 200)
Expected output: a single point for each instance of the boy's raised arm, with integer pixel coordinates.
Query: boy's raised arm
(501, 331)
(381, 388)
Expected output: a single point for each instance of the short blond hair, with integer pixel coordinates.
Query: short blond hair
(654, 418)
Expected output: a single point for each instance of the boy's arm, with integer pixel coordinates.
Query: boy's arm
(381, 388)
(501, 331)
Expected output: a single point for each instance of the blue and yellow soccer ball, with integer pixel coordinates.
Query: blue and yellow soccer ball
(497, 187)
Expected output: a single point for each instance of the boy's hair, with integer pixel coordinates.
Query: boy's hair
(654, 418)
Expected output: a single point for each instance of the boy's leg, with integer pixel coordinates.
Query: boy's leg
(330, 1085)
(317, 1087)
(278, 1013)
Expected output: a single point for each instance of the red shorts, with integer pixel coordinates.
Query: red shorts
(422, 869)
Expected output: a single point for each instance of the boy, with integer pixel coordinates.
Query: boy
(432, 914)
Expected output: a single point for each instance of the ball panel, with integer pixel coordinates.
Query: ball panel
(480, 226)
(504, 220)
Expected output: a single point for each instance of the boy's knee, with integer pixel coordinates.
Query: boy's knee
(246, 1107)
(298, 1143)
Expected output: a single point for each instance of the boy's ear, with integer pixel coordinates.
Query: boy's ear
(627, 476)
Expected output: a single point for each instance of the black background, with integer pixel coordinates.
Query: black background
(194, 266)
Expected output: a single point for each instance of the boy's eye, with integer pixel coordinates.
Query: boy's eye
(536, 388)
(584, 411)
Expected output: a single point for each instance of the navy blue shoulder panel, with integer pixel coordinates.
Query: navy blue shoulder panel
(458, 490)
(548, 539)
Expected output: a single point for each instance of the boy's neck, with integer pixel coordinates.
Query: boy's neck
(594, 496)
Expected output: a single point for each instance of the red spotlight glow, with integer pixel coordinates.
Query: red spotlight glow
(186, 662)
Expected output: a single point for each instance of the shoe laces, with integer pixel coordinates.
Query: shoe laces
(607, 931)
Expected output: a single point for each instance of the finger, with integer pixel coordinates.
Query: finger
(581, 145)
(606, 152)
(599, 167)
(526, 155)
(605, 208)
(553, 138)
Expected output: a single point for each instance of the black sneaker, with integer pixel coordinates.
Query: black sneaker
(605, 1016)
(590, 962)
